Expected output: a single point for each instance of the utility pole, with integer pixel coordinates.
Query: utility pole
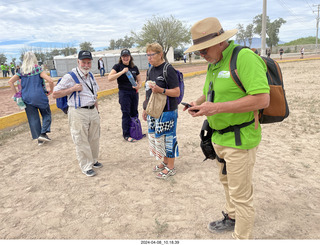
(263, 30)
(317, 27)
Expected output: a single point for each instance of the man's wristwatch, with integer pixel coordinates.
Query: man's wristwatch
(164, 91)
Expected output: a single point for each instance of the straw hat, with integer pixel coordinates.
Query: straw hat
(208, 32)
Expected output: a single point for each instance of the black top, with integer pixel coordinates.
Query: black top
(156, 74)
(123, 81)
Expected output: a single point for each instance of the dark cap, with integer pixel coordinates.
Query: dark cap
(125, 52)
(84, 55)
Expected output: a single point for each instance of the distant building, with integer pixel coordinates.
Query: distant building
(64, 64)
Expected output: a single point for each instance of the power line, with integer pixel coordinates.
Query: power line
(309, 6)
(297, 18)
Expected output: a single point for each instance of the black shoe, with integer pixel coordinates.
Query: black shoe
(90, 173)
(40, 142)
(44, 137)
(97, 165)
(226, 224)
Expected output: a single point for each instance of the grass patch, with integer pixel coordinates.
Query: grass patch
(160, 228)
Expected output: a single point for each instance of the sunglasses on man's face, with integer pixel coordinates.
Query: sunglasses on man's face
(201, 52)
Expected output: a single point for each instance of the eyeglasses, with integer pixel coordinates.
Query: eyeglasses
(201, 52)
(151, 55)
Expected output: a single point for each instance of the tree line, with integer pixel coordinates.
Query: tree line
(245, 34)
(168, 32)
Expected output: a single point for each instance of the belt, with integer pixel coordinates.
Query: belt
(236, 130)
(88, 107)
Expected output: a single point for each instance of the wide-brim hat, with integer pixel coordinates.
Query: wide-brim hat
(208, 32)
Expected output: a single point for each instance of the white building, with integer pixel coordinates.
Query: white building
(110, 57)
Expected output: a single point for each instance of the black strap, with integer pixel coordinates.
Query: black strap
(165, 74)
(236, 130)
(90, 88)
(220, 160)
(233, 67)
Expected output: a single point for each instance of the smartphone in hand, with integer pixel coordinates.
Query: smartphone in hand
(188, 105)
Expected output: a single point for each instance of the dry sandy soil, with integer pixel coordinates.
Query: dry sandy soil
(44, 195)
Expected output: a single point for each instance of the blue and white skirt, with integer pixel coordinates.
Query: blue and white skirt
(162, 135)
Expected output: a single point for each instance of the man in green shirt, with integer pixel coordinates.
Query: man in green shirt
(12, 67)
(3, 69)
(6, 67)
(225, 105)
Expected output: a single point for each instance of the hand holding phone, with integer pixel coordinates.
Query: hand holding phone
(188, 106)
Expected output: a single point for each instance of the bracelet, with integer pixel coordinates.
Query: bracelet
(164, 91)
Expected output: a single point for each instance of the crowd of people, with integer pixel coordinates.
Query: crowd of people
(222, 103)
(6, 69)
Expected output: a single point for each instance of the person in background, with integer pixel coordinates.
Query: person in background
(35, 96)
(281, 53)
(163, 142)
(101, 67)
(3, 70)
(12, 68)
(83, 113)
(225, 104)
(128, 93)
(302, 52)
(268, 52)
(6, 67)
(18, 69)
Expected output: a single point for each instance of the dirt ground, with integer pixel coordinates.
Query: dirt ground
(44, 195)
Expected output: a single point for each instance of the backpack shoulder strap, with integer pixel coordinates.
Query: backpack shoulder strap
(236, 79)
(233, 67)
(74, 77)
(165, 71)
(91, 75)
(148, 72)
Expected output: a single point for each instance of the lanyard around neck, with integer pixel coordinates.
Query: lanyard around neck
(90, 88)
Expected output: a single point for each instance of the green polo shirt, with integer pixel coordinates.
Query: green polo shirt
(252, 72)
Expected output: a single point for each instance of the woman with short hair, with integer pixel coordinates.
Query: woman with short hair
(162, 131)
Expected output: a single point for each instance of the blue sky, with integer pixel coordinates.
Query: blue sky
(54, 24)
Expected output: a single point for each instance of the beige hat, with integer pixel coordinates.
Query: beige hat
(208, 32)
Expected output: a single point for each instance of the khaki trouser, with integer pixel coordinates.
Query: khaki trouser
(85, 131)
(238, 187)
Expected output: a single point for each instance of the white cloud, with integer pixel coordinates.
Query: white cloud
(75, 21)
